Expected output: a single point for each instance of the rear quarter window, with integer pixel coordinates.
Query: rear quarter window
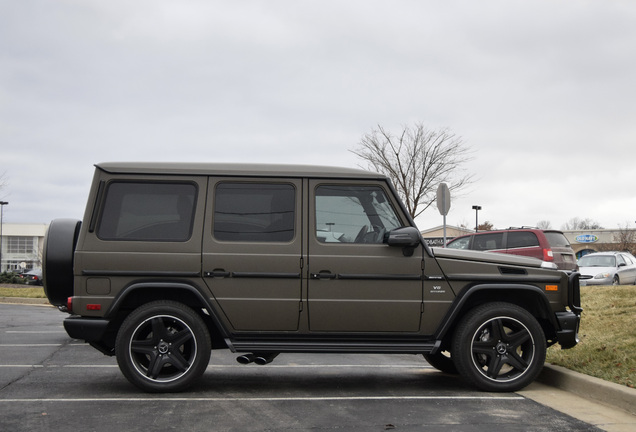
(521, 239)
(147, 211)
(557, 239)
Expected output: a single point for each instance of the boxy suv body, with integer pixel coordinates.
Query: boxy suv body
(546, 245)
(173, 260)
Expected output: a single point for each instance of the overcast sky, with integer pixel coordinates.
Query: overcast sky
(544, 92)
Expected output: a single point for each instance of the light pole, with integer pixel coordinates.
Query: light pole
(2, 204)
(476, 208)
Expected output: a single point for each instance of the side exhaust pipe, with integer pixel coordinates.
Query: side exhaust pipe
(264, 358)
(246, 358)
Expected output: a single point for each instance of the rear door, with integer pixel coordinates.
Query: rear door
(357, 283)
(252, 251)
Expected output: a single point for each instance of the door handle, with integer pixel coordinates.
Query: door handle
(323, 274)
(220, 273)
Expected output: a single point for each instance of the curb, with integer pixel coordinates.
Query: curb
(588, 387)
(25, 301)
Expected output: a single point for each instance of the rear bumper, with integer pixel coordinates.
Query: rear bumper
(88, 329)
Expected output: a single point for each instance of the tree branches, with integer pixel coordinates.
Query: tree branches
(417, 161)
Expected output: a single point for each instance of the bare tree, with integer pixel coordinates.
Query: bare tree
(416, 160)
(625, 239)
(577, 223)
(544, 224)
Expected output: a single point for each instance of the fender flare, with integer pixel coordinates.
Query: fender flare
(453, 313)
(182, 286)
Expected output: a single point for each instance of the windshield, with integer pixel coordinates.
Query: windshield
(597, 261)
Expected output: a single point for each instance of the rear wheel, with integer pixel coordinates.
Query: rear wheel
(163, 346)
(499, 347)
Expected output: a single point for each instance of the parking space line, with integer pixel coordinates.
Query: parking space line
(266, 399)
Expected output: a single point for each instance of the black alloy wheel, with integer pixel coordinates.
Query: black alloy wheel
(499, 347)
(163, 346)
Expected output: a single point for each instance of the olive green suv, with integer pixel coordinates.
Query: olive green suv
(174, 260)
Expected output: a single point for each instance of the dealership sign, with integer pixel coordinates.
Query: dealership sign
(586, 238)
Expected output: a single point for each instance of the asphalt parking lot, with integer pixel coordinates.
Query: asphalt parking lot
(51, 382)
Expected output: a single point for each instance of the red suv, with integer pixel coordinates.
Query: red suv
(547, 245)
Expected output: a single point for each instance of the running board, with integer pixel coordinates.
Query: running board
(346, 346)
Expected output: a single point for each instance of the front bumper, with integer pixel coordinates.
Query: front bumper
(568, 335)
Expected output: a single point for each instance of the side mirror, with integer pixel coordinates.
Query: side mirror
(405, 237)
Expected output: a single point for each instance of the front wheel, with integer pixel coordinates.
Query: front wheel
(499, 347)
(163, 346)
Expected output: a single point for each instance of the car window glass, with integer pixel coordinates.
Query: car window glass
(147, 211)
(556, 239)
(353, 214)
(518, 239)
(254, 212)
(491, 241)
(460, 243)
(620, 260)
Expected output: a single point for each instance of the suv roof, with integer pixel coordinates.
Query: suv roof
(240, 169)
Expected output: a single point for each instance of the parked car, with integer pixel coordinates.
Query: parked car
(608, 268)
(34, 277)
(173, 260)
(546, 245)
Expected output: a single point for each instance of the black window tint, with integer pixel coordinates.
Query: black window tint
(520, 239)
(484, 242)
(254, 212)
(148, 212)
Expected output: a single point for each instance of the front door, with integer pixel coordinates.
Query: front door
(357, 283)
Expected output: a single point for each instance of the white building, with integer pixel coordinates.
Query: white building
(21, 246)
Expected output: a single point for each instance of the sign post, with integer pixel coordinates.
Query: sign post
(443, 203)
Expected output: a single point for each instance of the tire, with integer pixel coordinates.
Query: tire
(499, 347)
(57, 263)
(616, 280)
(163, 346)
(442, 361)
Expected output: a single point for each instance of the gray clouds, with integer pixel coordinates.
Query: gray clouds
(542, 91)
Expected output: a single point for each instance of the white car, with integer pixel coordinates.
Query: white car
(608, 268)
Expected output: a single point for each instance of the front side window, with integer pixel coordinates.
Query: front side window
(254, 212)
(461, 243)
(353, 214)
(136, 211)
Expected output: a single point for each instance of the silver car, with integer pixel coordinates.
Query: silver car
(608, 268)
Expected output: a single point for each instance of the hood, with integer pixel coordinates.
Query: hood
(492, 257)
(593, 271)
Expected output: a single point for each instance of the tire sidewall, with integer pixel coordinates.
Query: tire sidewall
(462, 346)
(155, 309)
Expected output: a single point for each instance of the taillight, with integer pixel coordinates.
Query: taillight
(548, 255)
(69, 304)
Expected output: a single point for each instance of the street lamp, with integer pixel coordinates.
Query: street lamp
(476, 208)
(2, 204)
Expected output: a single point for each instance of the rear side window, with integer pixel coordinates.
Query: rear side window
(254, 212)
(136, 211)
(521, 239)
(484, 242)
